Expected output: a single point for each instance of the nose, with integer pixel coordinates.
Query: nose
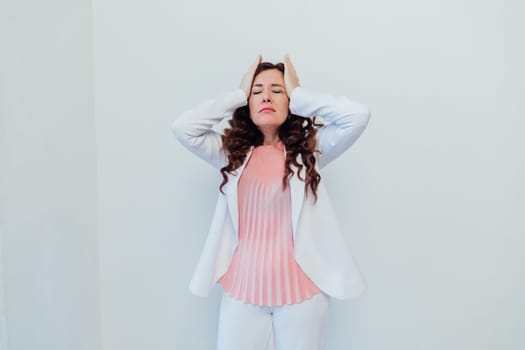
(265, 96)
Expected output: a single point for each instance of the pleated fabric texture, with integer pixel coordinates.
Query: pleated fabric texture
(263, 270)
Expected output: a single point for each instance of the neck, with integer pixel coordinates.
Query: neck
(270, 136)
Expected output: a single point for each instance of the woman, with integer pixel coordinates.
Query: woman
(274, 244)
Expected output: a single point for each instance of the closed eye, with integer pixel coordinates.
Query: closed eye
(274, 91)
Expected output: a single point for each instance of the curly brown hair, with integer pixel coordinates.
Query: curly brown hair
(297, 134)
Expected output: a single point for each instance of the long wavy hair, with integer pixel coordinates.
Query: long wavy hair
(297, 134)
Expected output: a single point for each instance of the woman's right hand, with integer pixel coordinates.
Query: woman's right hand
(246, 82)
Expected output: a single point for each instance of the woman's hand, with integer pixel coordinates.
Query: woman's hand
(290, 76)
(247, 79)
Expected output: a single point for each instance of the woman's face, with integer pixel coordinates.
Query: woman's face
(268, 101)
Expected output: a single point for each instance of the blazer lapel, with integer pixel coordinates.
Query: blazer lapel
(231, 193)
(296, 196)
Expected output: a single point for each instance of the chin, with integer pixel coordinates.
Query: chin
(269, 125)
(272, 121)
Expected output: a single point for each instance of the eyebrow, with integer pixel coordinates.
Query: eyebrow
(260, 85)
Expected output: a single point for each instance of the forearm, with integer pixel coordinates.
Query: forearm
(194, 128)
(344, 120)
(333, 109)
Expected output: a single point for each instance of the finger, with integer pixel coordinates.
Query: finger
(256, 63)
(249, 75)
(288, 64)
(253, 67)
(290, 75)
(287, 60)
(288, 68)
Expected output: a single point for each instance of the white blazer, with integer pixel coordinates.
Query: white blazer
(319, 247)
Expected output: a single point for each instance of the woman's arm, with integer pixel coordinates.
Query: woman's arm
(193, 128)
(344, 120)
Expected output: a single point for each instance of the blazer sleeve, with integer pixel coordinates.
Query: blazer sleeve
(344, 120)
(194, 128)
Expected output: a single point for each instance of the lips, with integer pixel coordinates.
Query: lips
(266, 109)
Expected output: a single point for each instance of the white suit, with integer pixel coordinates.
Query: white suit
(319, 247)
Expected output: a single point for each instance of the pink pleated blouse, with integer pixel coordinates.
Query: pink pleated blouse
(263, 270)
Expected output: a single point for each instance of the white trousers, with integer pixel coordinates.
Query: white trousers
(289, 327)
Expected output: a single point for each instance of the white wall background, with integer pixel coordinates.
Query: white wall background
(436, 182)
(432, 195)
(3, 310)
(48, 188)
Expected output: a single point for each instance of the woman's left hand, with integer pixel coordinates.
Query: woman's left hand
(290, 76)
